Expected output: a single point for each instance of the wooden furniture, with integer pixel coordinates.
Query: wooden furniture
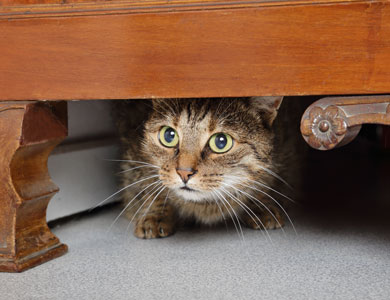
(80, 49)
(29, 132)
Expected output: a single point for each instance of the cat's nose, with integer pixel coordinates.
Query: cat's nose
(186, 173)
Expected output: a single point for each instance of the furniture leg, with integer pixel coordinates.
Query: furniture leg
(335, 121)
(29, 131)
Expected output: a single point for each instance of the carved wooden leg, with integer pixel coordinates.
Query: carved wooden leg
(29, 131)
(335, 121)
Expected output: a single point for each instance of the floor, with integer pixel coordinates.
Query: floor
(341, 249)
(327, 259)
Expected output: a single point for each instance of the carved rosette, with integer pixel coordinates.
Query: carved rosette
(324, 129)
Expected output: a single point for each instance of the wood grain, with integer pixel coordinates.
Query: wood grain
(28, 132)
(334, 48)
(31, 7)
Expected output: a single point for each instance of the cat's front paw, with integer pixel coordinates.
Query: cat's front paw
(268, 221)
(151, 227)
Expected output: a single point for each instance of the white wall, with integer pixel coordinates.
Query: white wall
(80, 165)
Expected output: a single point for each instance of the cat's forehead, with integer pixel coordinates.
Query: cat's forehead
(194, 125)
(195, 112)
(186, 114)
(194, 117)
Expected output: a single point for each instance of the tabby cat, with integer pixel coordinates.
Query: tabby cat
(206, 160)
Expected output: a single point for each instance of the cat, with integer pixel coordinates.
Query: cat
(206, 160)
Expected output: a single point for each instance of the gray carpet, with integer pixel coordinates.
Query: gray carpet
(338, 259)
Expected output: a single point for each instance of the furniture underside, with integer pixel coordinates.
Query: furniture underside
(55, 50)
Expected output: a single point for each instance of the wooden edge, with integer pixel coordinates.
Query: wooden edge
(335, 121)
(136, 7)
(34, 260)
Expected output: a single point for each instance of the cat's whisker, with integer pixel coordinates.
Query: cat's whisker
(219, 207)
(139, 167)
(168, 106)
(224, 201)
(144, 196)
(171, 109)
(122, 189)
(220, 117)
(275, 191)
(238, 202)
(263, 185)
(128, 204)
(268, 195)
(264, 206)
(166, 198)
(146, 200)
(151, 203)
(176, 103)
(155, 110)
(273, 199)
(276, 176)
(151, 193)
(248, 211)
(132, 161)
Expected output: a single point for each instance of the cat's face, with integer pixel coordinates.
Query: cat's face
(206, 147)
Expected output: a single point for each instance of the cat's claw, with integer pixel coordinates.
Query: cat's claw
(152, 227)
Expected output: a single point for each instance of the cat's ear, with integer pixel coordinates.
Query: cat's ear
(267, 107)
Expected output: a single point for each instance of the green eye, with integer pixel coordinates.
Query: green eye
(220, 142)
(168, 137)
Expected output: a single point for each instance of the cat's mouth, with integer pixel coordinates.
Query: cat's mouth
(190, 194)
(186, 188)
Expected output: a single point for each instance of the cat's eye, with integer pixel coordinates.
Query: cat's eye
(168, 137)
(220, 142)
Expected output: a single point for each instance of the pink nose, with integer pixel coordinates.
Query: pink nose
(186, 173)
